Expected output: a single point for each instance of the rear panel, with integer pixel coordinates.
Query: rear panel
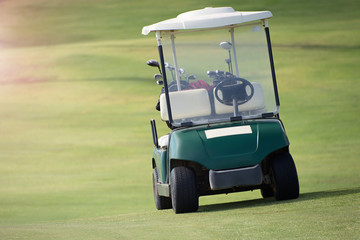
(230, 145)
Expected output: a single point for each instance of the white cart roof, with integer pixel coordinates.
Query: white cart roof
(206, 18)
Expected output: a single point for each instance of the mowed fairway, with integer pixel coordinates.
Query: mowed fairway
(75, 141)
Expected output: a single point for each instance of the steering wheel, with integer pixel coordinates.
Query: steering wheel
(236, 90)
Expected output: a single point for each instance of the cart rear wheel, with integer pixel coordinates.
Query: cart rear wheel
(184, 192)
(284, 177)
(267, 191)
(160, 201)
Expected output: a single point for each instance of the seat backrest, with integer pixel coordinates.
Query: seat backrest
(257, 102)
(186, 104)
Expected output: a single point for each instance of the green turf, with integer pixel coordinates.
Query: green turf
(75, 102)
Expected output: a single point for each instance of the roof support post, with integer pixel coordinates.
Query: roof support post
(272, 66)
(234, 51)
(162, 63)
(175, 62)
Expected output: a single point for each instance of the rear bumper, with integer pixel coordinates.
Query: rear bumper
(240, 177)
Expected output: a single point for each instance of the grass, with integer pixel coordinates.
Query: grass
(75, 145)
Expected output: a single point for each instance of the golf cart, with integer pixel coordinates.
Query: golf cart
(219, 98)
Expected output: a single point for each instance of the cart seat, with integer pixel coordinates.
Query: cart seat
(163, 141)
(257, 102)
(186, 104)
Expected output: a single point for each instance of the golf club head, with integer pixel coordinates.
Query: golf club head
(158, 76)
(219, 72)
(226, 45)
(192, 77)
(211, 74)
(153, 63)
(168, 66)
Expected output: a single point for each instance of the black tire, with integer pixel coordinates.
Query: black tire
(267, 191)
(161, 202)
(184, 194)
(284, 177)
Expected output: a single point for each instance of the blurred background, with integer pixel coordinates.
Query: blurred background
(75, 143)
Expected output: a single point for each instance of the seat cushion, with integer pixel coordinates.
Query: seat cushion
(186, 104)
(164, 141)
